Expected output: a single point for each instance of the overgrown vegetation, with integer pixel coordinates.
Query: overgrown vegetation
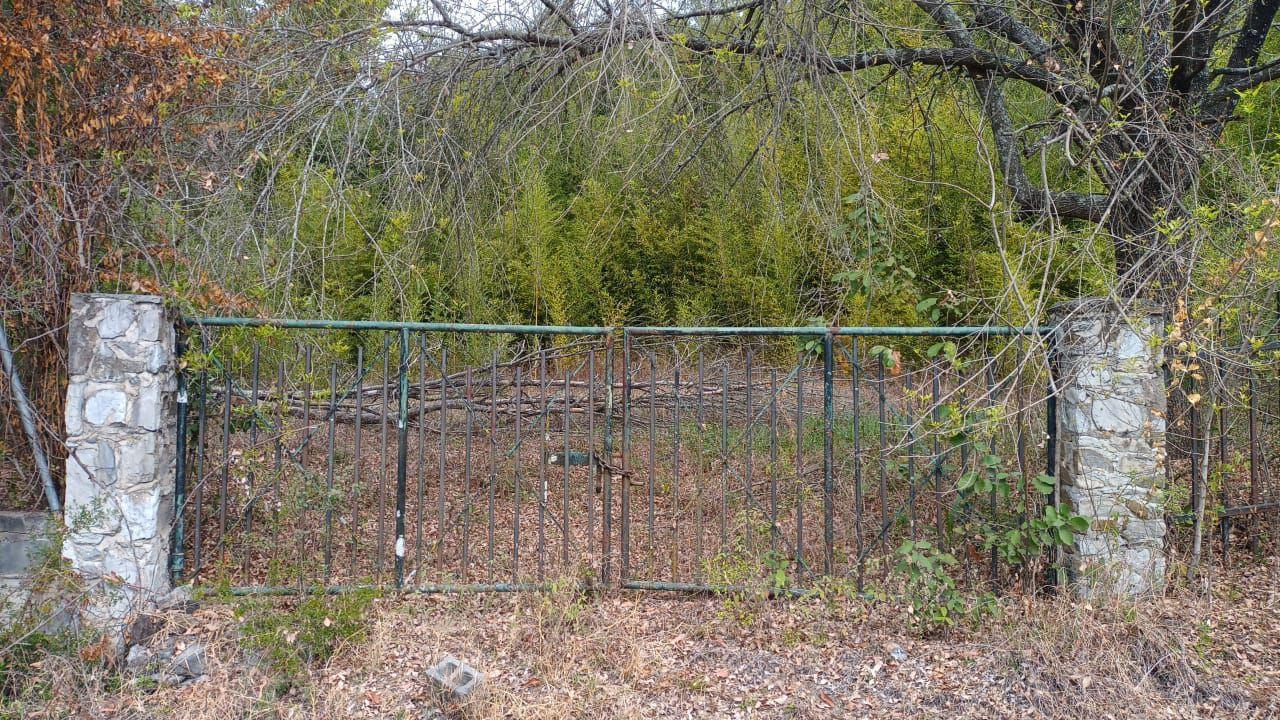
(356, 159)
(293, 635)
(37, 630)
(619, 658)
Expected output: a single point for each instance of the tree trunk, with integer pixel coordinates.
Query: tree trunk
(1147, 193)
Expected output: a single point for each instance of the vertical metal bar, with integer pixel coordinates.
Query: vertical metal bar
(749, 447)
(328, 474)
(910, 421)
(966, 500)
(180, 465)
(799, 487)
(1255, 495)
(493, 454)
(306, 408)
(278, 465)
(700, 461)
(1029, 497)
(939, 508)
(606, 532)
(383, 464)
(592, 479)
(1058, 577)
(402, 455)
(564, 488)
(724, 457)
(828, 453)
(357, 492)
(250, 473)
(653, 453)
(422, 456)
(441, 506)
(201, 430)
(226, 456)
(625, 530)
(675, 470)
(884, 466)
(991, 449)
(542, 465)
(1268, 479)
(515, 477)
(854, 371)
(465, 548)
(302, 454)
(773, 459)
(1021, 450)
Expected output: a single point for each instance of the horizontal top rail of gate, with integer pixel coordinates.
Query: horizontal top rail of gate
(299, 324)
(807, 330)
(813, 330)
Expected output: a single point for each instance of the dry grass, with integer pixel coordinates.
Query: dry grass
(1197, 652)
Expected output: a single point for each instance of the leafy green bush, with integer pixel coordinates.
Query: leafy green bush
(1016, 536)
(930, 587)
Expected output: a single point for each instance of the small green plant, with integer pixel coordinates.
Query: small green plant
(1018, 538)
(885, 355)
(930, 588)
(563, 603)
(308, 632)
(751, 578)
(33, 631)
(948, 350)
(776, 565)
(21, 681)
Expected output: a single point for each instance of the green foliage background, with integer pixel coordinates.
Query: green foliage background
(640, 189)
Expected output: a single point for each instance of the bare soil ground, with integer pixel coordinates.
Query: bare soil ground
(1212, 650)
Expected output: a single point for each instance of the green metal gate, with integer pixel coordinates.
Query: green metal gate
(322, 455)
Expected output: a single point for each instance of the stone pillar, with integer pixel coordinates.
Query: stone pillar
(121, 438)
(1111, 434)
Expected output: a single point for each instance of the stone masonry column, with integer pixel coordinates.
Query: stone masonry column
(121, 438)
(1111, 442)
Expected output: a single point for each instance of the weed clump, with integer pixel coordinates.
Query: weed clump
(293, 636)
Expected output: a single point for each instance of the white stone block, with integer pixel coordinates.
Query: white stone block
(1130, 345)
(115, 319)
(106, 406)
(140, 511)
(150, 322)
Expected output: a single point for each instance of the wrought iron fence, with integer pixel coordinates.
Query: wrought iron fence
(428, 457)
(1224, 432)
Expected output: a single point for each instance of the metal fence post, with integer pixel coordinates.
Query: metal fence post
(828, 451)
(1255, 497)
(625, 539)
(940, 510)
(176, 558)
(1225, 523)
(27, 417)
(402, 453)
(606, 521)
(1059, 576)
